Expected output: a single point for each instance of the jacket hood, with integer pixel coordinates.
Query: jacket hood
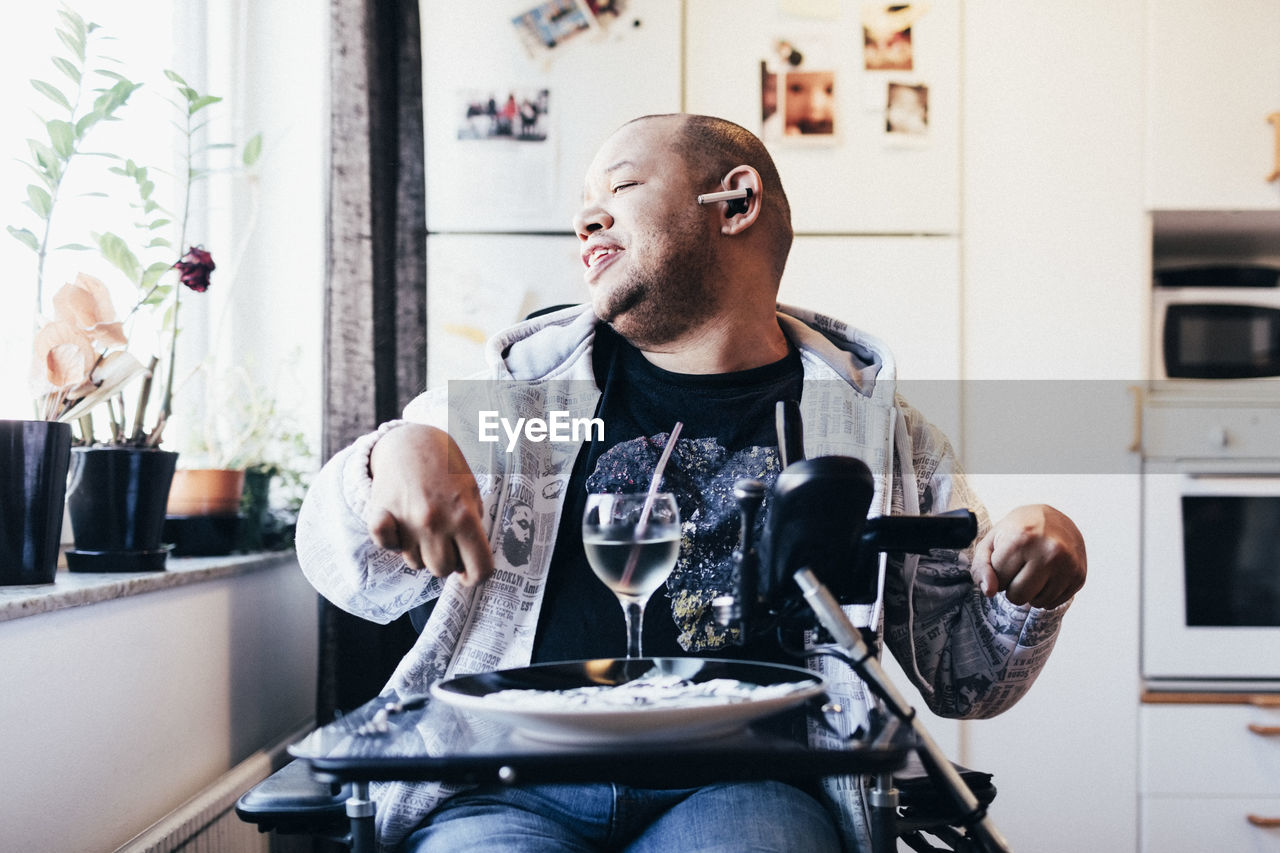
(550, 346)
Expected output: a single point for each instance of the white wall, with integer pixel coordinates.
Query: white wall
(1055, 288)
(117, 712)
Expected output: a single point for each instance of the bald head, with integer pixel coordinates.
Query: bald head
(711, 147)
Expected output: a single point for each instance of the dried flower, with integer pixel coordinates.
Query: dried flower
(79, 358)
(86, 303)
(64, 359)
(194, 269)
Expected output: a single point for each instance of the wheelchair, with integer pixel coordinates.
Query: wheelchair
(294, 802)
(816, 529)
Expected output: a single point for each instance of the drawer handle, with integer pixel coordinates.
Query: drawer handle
(1265, 731)
(1135, 443)
(1264, 822)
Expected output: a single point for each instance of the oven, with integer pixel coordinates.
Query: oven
(1211, 539)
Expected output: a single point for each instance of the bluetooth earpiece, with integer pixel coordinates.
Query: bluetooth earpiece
(738, 200)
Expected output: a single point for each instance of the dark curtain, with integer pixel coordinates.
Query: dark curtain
(375, 297)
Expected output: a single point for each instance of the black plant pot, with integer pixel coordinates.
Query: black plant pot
(33, 483)
(116, 497)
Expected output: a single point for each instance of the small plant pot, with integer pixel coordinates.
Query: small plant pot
(206, 491)
(203, 535)
(203, 518)
(34, 456)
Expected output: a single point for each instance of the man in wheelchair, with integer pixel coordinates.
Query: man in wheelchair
(685, 230)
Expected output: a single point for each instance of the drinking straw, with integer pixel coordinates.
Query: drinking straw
(634, 556)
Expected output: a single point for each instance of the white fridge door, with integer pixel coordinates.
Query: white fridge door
(478, 284)
(859, 177)
(503, 173)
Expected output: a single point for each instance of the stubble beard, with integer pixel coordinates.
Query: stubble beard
(659, 304)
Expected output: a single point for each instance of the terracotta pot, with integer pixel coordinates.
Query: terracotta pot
(206, 491)
(34, 456)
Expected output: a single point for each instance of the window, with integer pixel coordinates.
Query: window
(262, 315)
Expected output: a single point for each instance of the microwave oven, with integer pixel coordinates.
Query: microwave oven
(1219, 322)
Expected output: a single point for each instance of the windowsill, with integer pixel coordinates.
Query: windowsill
(75, 589)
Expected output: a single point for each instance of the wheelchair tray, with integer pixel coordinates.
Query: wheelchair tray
(437, 741)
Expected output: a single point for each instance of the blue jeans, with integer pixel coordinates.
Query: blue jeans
(732, 818)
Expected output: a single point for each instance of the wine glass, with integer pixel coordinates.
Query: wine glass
(632, 542)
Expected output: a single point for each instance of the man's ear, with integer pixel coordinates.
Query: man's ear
(741, 214)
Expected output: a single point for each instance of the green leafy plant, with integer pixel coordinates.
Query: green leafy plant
(154, 219)
(87, 95)
(143, 251)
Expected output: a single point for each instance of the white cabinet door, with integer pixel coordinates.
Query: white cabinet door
(1210, 750)
(481, 177)
(1213, 78)
(859, 177)
(1210, 777)
(1197, 824)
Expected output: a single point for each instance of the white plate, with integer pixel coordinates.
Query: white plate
(633, 724)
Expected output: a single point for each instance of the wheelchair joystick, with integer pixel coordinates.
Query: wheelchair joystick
(732, 611)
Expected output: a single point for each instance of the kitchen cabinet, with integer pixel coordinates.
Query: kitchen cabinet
(1213, 95)
(1210, 774)
(1055, 284)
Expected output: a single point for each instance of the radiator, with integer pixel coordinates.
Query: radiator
(207, 823)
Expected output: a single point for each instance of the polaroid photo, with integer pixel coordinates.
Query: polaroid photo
(547, 26)
(906, 114)
(798, 93)
(886, 35)
(516, 113)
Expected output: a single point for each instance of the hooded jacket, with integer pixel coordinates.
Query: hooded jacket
(970, 656)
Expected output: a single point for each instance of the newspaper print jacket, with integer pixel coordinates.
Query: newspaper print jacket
(969, 655)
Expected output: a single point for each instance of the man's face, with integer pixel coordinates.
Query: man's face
(648, 247)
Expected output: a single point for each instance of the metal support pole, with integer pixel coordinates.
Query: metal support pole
(868, 668)
(883, 800)
(360, 811)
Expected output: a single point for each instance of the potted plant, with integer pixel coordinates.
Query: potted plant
(34, 454)
(80, 364)
(119, 478)
(249, 441)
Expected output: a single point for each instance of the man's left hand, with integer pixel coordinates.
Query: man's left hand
(1035, 554)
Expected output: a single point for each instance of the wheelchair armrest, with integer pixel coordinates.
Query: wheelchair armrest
(291, 800)
(918, 795)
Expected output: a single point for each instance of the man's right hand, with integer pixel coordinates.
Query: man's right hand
(425, 504)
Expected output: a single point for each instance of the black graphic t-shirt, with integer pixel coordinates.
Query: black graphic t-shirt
(728, 433)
